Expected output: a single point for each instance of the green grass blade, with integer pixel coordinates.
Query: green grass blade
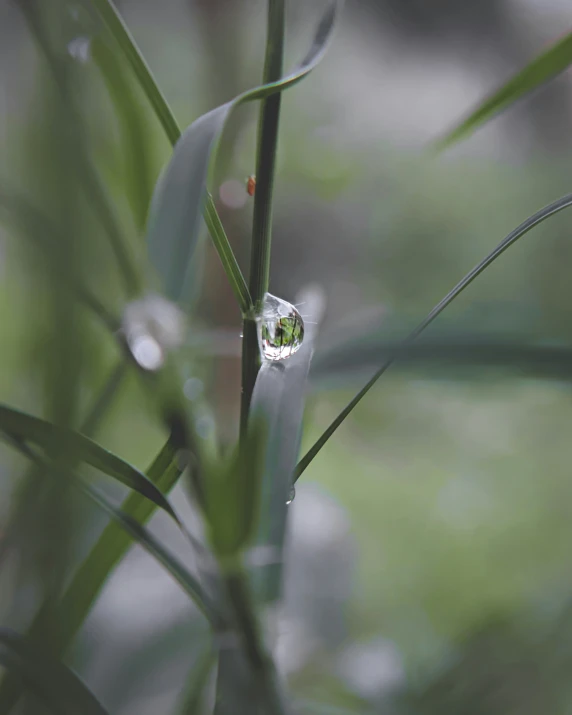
(174, 219)
(45, 435)
(230, 265)
(512, 237)
(120, 32)
(51, 681)
(542, 69)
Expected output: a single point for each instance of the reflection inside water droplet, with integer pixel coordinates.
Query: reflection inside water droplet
(79, 48)
(280, 329)
(291, 496)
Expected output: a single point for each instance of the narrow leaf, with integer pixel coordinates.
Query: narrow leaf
(51, 681)
(278, 402)
(542, 69)
(512, 237)
(120, 32)
(44, 434)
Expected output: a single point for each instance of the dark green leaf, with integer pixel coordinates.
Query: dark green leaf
(177, 204)
(137, 532)
(51, 681)
(156, 549)
(542, 69)
(516, 358)
(512, 237)
(45, 435)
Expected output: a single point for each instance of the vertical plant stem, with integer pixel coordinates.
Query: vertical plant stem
(262, 221)
(263, 670)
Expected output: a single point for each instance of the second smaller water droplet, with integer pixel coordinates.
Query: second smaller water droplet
(291, 496)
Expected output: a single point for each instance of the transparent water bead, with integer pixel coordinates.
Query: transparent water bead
(291, 496)
(152, 326)
(280, 329)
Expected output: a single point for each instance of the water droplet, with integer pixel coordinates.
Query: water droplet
(152, 326)
(193, 388)
(291, 496)
(79, 49)
(280, 329)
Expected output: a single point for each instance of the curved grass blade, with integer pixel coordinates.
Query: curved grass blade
(154, 547)
(179, 197)
(542, 69)
(51, 681)
(512, 237)
(44, 434)
(278, 402)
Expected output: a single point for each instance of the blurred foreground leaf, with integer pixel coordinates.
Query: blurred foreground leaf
(544, 361)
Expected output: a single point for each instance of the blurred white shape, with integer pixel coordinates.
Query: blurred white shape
(152, 326)
(147, 352)
(318, 570)
(79, 48)
(371, 669)
(233, 194)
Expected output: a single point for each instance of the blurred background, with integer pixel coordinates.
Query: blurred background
(429, 542)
